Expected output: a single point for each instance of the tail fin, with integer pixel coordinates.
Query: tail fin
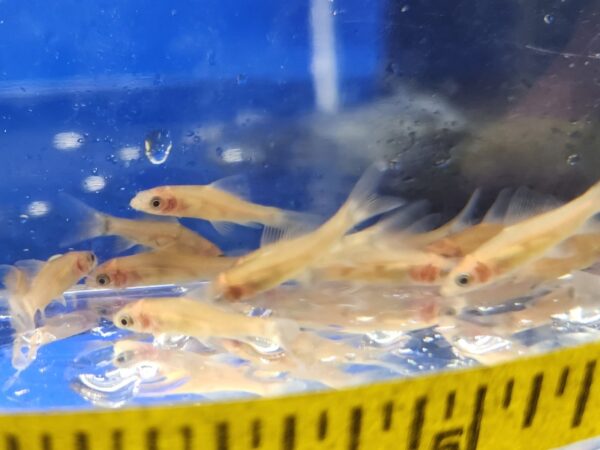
(90, 223)
(17, 284)
(363, 202)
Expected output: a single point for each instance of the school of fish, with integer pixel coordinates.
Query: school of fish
(261, 322)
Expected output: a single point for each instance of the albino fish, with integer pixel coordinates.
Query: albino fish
(491, 343)
(182, 372)
(581, 251)
(156, 234)
(277, 262)
(420, 240)
(33, 285)
(407, 267)
(214, 203)
(465, 241)
(316, 367)
(521, 244)
(157, 267)
(184, 316)
(27, 343)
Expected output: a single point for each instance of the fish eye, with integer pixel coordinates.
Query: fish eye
(155, 202)
(103, 279)
(463, 279)
(126, 320)
(123, 357)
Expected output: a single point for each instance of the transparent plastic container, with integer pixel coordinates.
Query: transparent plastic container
(101, 100)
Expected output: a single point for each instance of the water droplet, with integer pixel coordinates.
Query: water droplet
(129, 153)
(67, 141)
(38, 209)
(93, 183)
(405, 8)
(158, 146)
(573, 159)
(549, 19)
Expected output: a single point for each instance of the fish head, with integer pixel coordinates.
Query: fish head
(127, 353)
(133, 318)
(468, 275)
(108, 276)
(160, 200)
(83, 262)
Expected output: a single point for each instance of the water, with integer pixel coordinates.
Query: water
(299, 99)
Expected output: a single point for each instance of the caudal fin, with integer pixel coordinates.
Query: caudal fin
(88, 222)
(17, 284)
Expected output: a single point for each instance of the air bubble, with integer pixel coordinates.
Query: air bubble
(38, 209)
(549, 19)
(94, 183)
(573, 159)
(158, 146)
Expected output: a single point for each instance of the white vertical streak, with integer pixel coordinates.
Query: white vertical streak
(324, 63)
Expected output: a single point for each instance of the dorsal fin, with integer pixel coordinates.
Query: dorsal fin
(396, 222)
(237, 185)
(271, 235)
(526, 203)
(498, 209)
(30, 267)
(427, 223)
(466, 217)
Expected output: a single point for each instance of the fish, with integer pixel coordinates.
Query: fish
(27, 344)
(286, 258)
(581, 251)
(325, 367)
(521, 243)
(32, 285)
(151, 233)
(401, 268)
(215, 203)
(201, 320)
(157, 267)
(184, 372)
(467, 239)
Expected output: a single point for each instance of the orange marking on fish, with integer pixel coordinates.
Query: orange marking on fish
(119, 278)
(483, 272)
(144, 320)
(427, 273)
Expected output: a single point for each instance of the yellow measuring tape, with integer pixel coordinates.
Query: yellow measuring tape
(536, 403)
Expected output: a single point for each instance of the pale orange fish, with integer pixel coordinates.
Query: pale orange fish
(33, 285)
(184, 316)
(157, 267)
(491, 342)
(402, 268)
(326, 367)
(521, 244)
(581, 251)
(155, 234)
(277, 262)
(420, 240)
(182, 372)
(465, 240)
(27, 343)
(211, 202)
